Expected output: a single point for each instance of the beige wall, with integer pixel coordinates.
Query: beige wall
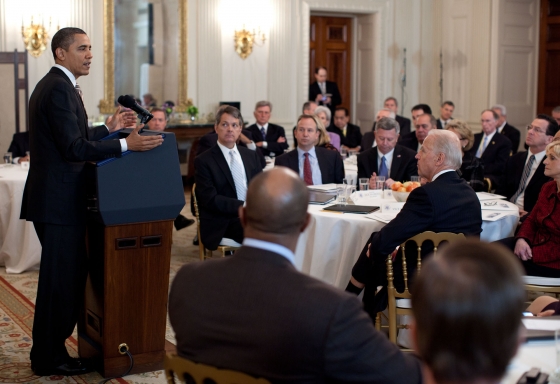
(469, 33)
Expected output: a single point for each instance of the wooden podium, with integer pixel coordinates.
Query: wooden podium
(133, 201)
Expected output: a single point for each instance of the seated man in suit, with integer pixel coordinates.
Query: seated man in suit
(259, 315)
(470, 333)
(423, 123)
(350, 134)
(445, 114)
(269, 138)
(388, 159)
(368, 139)
(391, 104)
(324, 92)
(445, 204)
(19, 147)
(315, 165)
(506, 129)
(222, 174)
(494, 149)
(524, 173)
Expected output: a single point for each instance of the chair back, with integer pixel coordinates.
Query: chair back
(392, 293)
(190, 372)
(201, 248)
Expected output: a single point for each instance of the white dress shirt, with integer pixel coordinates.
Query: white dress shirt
(225, 151)
(315, 170)
(488, 141)
(272, 247)
(388, 160)
(538, 158)
(441, 173)
(72, 78)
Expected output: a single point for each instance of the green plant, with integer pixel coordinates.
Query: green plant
(192, 110)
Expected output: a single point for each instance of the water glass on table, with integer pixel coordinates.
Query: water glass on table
(343, 153)
(8, 158)
(415, 178)
(350, 189)
(364, 183)
(341, 194)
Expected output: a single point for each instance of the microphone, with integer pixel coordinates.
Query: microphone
(129, 102)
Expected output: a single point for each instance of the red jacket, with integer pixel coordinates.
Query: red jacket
(542, 228)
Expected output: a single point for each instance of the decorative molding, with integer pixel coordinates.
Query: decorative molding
(183, 100)
(209, 53)
(3, 24)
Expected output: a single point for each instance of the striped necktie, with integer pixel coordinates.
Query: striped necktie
(237, 174)
(80, 93)
(524, 178)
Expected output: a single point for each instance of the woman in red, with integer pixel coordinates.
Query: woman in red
(538, 239)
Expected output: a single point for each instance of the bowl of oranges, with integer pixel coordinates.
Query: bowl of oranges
(402, 190)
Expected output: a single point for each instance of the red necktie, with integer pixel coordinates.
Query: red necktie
(307, 175)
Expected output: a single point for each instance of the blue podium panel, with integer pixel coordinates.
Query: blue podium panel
(138, 186)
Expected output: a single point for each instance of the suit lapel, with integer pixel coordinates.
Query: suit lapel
(218, 156)
(539, 172)
(396, 163)
(246, 162)
(293, 160)
(83, 119)
(323, 166)
(373, 160)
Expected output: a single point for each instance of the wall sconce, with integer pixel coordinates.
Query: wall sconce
(244, 41)
(35, 37)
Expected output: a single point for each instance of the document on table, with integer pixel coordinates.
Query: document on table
(323, 187)
(488, 196)
(542, 323)
(498, 205)
(382, 217)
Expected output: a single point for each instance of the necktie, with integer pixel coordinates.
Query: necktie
(263, 132)
(80, 93)
(481, 149)
(323, 88)
(383, 171)
(524, 178)
(237, 174)
(307, 175)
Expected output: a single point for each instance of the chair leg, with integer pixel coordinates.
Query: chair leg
(378, 321)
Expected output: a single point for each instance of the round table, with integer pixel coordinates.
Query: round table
(20, 249)
(332, 242)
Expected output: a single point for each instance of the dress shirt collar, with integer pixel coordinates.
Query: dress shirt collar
(490, 136)
(538, 156)
(263, 126)
(272, 247)
(225, 150)
(67, 73)
(311, 152)
(388, 158)
(441, 173)
(501, 127)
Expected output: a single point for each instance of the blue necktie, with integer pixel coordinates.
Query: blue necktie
(383, 171)
(263, 133)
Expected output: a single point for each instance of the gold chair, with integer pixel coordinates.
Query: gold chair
(399, 302)
(202, 251)
(542, 284)
(194, 373)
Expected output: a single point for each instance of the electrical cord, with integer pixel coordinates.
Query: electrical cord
(125, 374)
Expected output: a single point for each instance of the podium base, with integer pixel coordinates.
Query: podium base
(126, 296)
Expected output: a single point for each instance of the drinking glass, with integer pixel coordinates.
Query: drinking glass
(8, 158)
(350, 189)
(415, 178)
(380, 178)
(341, 194)
(343, 153)
(364, 184)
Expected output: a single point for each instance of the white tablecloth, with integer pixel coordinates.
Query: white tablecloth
(331, 244)
(539, 354)
(20, 249)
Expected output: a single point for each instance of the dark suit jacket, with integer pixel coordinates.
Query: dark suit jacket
(272, 134)
(353, 136)
(60, 142)
(367, 141)
(402, 168)
(263, 317)
(439, 124)
(330, 163)
(513, 135)
(409, 141)
(514, 171)
(494, 157)
(20, 144)
(404, 125)
(332, 88)
(215, 191)
(447, 204)
(211, 138)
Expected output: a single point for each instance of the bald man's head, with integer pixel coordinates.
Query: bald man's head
(276, 202)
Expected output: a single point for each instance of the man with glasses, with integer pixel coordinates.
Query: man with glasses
(524, 175)
(494, 150)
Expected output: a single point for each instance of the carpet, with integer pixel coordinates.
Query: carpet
(17, 298)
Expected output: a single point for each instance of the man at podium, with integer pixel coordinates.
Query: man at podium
(54, 198)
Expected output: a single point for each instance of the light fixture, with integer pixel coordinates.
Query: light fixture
(245, 39)
(35, 37)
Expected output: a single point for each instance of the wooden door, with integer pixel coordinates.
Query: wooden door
(549, 57)
(330, 46)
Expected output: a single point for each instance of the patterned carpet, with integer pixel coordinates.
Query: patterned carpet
(17, 298)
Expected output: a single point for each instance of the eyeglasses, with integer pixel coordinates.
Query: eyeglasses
(535, 129)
